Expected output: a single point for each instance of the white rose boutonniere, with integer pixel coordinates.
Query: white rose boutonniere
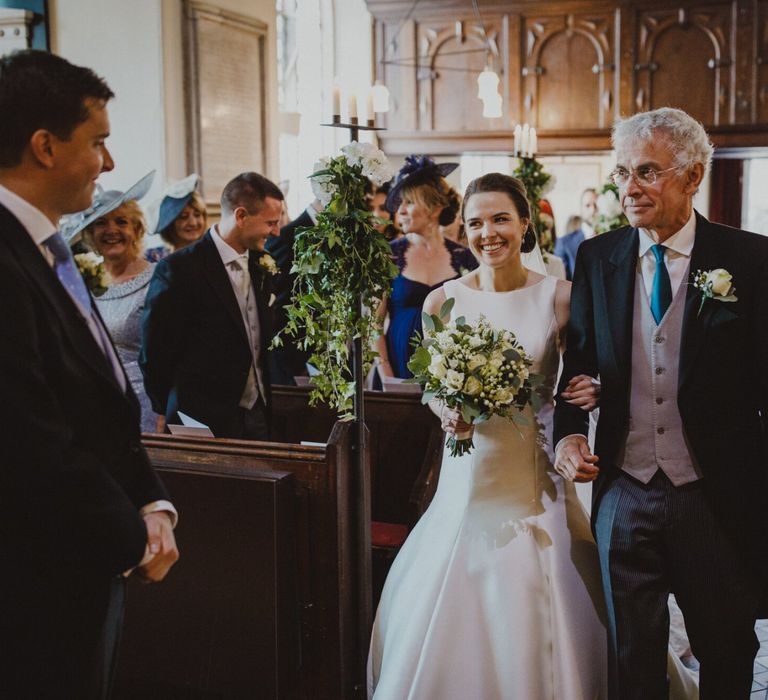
(714, 284)
(91, 267)
(268, 263)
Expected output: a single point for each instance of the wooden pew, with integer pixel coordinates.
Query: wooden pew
(269, 530)
(404, 441)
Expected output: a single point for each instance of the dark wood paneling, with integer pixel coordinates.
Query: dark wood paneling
(570, 67)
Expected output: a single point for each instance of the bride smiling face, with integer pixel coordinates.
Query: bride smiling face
(494, 228)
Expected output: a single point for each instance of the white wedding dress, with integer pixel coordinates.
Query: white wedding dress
(496, 593)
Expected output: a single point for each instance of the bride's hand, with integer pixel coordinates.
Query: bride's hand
(452, 422)
(583, 391)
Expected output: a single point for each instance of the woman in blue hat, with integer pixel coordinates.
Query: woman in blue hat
(182, 217)
(424, 201)
(114, 228)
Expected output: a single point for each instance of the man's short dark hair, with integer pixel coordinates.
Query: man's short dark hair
(248, 190)
(39, 90)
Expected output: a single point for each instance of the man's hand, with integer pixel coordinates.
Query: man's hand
(574, 461)
(582, 391)
(161, 545)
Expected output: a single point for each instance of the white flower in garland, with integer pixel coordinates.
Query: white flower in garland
(322, 185)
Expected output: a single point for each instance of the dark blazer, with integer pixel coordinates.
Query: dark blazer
(566, 247)
(73, 476)
(289, 360)
(195, 353)
(723, 385)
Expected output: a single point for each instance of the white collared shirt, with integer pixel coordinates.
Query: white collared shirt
(236, 265)
(677, 255)
(587, 230)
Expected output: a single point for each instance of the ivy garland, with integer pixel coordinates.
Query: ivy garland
(343, 268)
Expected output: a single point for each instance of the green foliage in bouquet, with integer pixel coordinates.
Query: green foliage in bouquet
(609, 213)
(476, 369)
(537, 184)
(339, 263)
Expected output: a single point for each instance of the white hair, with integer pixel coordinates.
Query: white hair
(686, 136)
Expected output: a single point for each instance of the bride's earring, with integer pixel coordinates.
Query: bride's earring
(529, 240)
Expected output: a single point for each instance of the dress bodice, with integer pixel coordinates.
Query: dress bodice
(512, 461)
(121, 307)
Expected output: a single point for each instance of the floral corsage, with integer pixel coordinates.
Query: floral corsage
(714, 284)
(268, 263)
(91, 267)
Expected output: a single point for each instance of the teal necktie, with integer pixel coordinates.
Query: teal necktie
(661, 293)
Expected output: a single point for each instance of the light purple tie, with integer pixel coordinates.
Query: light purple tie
(67, 272)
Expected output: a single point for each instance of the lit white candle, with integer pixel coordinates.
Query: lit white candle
(336, 100)
(370, 115)
(352, 106)
(518, 135)
(525, 140)
(534, 143)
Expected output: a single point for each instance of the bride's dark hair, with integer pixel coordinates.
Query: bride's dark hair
(515, 190)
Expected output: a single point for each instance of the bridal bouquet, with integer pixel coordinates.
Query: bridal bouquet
(479, 370)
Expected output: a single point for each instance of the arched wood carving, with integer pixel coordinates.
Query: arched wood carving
(684, 60)
(452, 55)
(568, 74)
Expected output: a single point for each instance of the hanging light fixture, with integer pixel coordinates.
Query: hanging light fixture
(492, 106)
(487, 83)
(380, 94)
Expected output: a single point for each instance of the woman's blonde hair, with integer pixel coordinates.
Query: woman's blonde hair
(168, 234)
(135, 216)
(435, 195)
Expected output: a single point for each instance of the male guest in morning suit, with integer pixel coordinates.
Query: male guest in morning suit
(79, 502)
(567, 246)
(679, 493)
(288, 360)
(206, 321)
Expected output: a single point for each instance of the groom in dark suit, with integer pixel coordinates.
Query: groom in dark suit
(206, 322)
(679, 495)
(80, 505)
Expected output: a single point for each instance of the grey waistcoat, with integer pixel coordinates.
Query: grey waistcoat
(656, 438)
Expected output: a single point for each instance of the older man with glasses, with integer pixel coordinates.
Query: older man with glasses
(672, 313)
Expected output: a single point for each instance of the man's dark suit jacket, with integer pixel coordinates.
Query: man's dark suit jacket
(289, 360)
(195, 354)
(566, 248)
(723, 386)
(73, 476)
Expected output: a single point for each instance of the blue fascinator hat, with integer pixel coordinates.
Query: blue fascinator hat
(104, 202)
(416, 171)
(174, 199)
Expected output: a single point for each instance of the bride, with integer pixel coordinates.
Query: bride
(496, 594)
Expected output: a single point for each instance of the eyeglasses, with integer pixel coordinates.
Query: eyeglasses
(645, 175)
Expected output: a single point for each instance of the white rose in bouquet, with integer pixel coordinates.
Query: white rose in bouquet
(454, 380)
(476, 361)
(472, 386)
(437, 366)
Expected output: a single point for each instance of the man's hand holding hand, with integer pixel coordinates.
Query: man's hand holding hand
(161, 545)
(574, 461)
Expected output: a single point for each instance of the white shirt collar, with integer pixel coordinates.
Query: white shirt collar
(681, 242)
(227, 253)
(587, 230)
(38, 225)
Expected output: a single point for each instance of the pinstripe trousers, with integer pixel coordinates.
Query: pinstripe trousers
(654, 539)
